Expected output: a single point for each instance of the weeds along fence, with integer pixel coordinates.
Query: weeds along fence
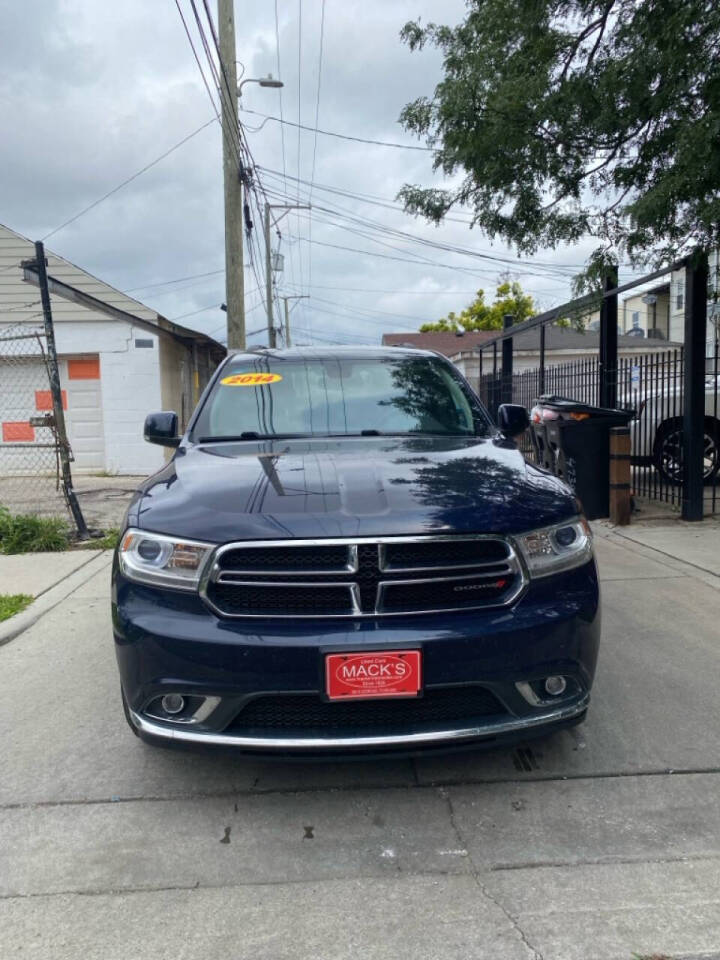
(31, 447)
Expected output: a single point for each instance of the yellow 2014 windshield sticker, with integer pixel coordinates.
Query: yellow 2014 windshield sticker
(250, 379)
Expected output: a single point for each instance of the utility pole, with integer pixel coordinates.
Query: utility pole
(286, 208)
(297, 296)
(232, 175)
(272, 338)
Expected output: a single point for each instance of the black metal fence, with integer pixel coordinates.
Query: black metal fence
(681, 442)
(653, 385)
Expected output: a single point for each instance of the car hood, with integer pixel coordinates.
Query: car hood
(348, 487)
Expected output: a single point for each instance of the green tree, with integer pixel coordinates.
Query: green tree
(577, 117)
(509, 298)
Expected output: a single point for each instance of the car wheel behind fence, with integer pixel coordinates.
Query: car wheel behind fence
(668, 450)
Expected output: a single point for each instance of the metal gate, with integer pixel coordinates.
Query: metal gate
(29, 443)
(35, 456)
(675, 434)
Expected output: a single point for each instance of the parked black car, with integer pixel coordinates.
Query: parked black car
(345, 554)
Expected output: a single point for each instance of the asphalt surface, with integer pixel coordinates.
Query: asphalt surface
(600, 842)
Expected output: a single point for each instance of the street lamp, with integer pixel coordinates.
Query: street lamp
(268, 81)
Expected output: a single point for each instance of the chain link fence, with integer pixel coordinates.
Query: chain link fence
(30, 448)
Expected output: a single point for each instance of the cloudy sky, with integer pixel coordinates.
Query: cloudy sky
(92, 92)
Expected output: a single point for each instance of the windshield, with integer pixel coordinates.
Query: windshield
(267, 397)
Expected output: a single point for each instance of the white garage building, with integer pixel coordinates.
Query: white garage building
(113, 369)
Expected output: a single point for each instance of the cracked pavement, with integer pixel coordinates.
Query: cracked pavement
(597, 843)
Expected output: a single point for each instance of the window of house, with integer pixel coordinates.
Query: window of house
(636, 318)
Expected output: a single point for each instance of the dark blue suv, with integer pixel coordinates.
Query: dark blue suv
(345, 554)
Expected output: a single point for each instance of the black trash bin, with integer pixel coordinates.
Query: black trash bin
(576, 447)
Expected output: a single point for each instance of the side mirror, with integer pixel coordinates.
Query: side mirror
(162, 428)
(512, 419)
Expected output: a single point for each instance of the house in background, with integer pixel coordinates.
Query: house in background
(562, 345)
(112, 371)
(649, 319)
(658, 312)
(445, 342)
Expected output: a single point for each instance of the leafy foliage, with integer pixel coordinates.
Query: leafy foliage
(509, 298)
(12, 603)
(575, 117)
(20, 533)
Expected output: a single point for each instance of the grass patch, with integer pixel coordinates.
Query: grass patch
(24, 533)
(12, 603)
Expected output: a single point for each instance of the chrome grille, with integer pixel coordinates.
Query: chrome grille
(386, 576)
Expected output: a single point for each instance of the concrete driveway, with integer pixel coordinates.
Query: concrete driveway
(599, 843)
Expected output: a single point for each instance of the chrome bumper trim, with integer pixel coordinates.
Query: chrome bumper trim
(515, 725)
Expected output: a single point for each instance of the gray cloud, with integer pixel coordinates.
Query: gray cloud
(91, 92)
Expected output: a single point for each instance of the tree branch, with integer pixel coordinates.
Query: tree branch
(583, 35)
(603, 23)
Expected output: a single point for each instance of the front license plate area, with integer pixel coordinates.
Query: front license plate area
(366, 676)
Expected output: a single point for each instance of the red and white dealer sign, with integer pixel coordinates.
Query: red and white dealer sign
(386, 673)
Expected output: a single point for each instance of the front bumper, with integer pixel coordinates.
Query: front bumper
(489, 731)
(170, 642)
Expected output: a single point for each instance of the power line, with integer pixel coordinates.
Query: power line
(227, 96)
(475, 271)
(339, 338)
(233, 146)
(385, 203)
(231, 94)
(279, 73)
(315, 286)
(367, 311)
(341, 136)
(385, 256)
(418, 293)
(282, 126)
(166, 283)
(299, 120)
(520, 266)
(344, 214)
(197, 60)
(212, 306)
(317, 120)
(124, 183)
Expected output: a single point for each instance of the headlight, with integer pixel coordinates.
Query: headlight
(162, 561)
(557, 548)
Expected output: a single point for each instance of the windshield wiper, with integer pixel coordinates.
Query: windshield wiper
(370, 432)
(251, 435)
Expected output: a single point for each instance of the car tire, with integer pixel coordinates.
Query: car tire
(667, 450)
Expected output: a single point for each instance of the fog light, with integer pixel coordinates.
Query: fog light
(555, 686)
(173, 703)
